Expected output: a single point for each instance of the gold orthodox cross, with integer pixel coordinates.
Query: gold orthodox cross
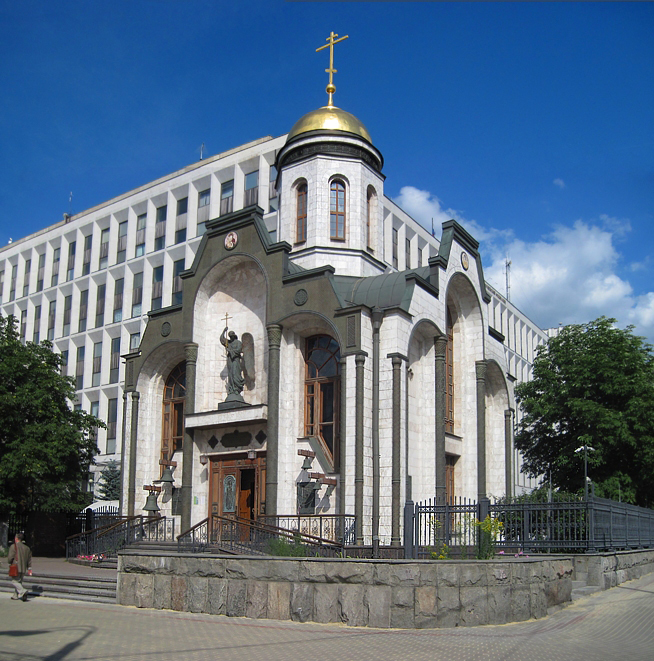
(226, 318)
(331, 40)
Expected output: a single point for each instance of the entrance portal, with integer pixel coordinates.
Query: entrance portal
(238, 486)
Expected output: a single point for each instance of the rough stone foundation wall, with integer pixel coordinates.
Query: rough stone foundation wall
(402, 594)
(607, 570)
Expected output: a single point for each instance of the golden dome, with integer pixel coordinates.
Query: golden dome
(329, 118)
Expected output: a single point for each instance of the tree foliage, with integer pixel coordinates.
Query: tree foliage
(109, 486)
(593, 384)
(46, 447)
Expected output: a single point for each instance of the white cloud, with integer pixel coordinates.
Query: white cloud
(568, 276)
(559, 182)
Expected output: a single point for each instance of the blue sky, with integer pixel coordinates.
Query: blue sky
(531, 123)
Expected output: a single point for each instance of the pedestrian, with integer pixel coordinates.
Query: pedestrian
(19, 556)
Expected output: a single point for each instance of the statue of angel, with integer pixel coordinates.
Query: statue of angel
(240, 363)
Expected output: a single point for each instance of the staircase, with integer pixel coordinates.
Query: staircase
(96, 589)
(580, 587)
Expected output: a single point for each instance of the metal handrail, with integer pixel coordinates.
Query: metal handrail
(236, 535)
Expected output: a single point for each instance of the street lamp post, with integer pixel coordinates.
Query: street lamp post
(586, 449)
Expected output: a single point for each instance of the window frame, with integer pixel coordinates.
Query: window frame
(337, 217)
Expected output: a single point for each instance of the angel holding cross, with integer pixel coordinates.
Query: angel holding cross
(237, 362)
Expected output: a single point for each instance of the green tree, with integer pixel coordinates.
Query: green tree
(593, 385)
(46, 446)
(109, 486)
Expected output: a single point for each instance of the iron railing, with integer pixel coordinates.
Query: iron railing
(246, 537)
(112, 537)
(339, 528)
(570, 526)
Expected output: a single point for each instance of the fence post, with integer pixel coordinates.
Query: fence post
(590, 523)
(409, 514)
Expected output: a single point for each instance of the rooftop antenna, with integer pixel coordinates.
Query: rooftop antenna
(433, 233)
(507, 270)
(202, 151)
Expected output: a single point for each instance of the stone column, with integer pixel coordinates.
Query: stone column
(480, 370)
(360, 360)
(272, 448)
(133, 431)
(508, 451)
(343, 431)
(396, 481)
(377, 317)
(191, 351)
(440, 404)
(123, 443)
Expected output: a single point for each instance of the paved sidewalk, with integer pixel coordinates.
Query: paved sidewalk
(616, 624)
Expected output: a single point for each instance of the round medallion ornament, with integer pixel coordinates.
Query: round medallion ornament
(165, 329)
(465, 262)
(301, 297)
(231, 241)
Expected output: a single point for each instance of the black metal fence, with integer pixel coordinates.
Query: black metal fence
(561, 526)
(339, 528)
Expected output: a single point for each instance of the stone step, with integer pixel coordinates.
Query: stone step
(584, 591)
(82, 588)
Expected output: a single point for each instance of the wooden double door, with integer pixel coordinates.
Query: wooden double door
(238, 486)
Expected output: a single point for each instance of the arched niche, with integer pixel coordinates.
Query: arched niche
(497, 402)
(236, 286)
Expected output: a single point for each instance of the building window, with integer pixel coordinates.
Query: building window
(396, 239)
(121, 253)
(26, 277)
(64, 363)
(160, 228)
(134, 341)
(68, 304)
(140, 234)
(86, 263)
(337, 210)
(449, 376)
(100, 305)
(40, 273)
(172, 434)
(114, 365)
(180, 220)
(321, 387)
(23, 325)
(36, 335)
(251, 188)
(52, 313)
(83, 310)
(70, 269)
(178, 267)
(157, 288)
(12, 287)
(2, 284)
(407, 246)
(79, 368)
(273, 195)
(227, 197)
(95, 411)
(301, 214)
(56, 258)
(137, 294)
(204, 204)
(112, 423)
(118, 299)
(104, 249)
(97, 364)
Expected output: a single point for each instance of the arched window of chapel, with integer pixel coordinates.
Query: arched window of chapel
(449, 374)
(371, 210)
(172, 428)
(322, 388)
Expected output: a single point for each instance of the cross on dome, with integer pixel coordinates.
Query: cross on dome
(331, 40)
